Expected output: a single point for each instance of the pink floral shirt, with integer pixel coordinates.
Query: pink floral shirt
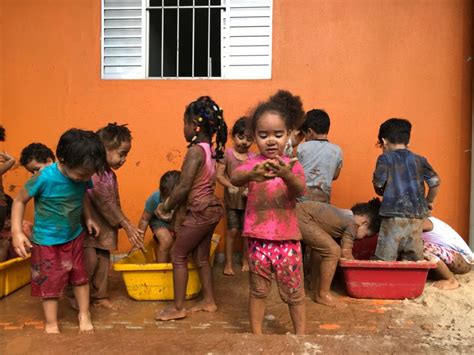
(270, 212)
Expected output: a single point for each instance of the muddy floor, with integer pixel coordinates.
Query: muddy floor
(425, 325)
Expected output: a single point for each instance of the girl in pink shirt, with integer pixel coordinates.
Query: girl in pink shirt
(203, 119)
(271, 227)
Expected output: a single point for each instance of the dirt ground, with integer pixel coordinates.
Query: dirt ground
(436, 322)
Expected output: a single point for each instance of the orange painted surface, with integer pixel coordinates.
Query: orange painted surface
(362, 61)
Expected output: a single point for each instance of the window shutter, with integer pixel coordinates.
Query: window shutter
(123, 39)
(247, 39)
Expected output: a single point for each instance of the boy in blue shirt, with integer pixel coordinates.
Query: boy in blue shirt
(400, 177)
(61, 205)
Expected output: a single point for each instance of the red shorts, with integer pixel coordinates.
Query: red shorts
(54, 266)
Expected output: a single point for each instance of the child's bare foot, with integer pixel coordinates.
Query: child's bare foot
(228, 270)
(327, 299)
(449, 284)
(203, 307)
(52, 328)
(245, 266)
(170, 314)
(85, 323)
(106, 303)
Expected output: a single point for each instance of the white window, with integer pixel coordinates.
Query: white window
(184, 39)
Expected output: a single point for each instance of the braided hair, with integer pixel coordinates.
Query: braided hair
(113, 135)
(209, 118)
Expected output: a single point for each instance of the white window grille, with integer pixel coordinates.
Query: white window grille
(186, 39)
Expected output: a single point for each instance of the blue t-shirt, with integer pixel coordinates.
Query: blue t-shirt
(402, 175)
(150, 206)
(58, 206)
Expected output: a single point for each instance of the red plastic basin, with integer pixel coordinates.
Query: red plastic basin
(385, 279)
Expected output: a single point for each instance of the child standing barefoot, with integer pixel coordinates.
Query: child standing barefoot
(271, 226)
(105, 199)
(57, 252)
(162, 231)
(234, 198)
(202, 120)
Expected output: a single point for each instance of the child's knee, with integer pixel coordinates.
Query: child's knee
(292, 297)
(259, 286)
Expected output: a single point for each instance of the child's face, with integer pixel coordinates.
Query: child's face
(117, 157)
(33, 166)
(242, 142)
(79, 174)
(189, 129)
(271, 135)
(363, 223)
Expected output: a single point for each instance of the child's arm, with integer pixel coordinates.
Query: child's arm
(20, 241)
(192, 162)
(338, 171)
(432, 180)
(432, 192)
(222, 178)
(8, 164)
(92, 226)
(380, 175)
(144, 221)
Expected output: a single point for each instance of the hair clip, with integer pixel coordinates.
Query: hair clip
(199, 119)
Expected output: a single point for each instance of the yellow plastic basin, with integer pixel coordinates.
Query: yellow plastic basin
(14, 273)
(146, 280)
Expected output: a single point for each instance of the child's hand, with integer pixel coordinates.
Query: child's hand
(92, 227)
(21, 244)
(135, 235)
(347, 254)
(261, 172)
(161, 214)
(245, 192)
(430, 207)
(233, 190)
(280, 168)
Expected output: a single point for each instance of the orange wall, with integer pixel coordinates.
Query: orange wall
(363, 61)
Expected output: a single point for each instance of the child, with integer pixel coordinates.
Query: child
(321, 160)
(162, 232)
(271, 227)
(36, 156)
(107, 211)
(321, 224)
(202, 120)
(6, 163)
(61, 204)
(399, 177)
(444, 245)
(234, 197)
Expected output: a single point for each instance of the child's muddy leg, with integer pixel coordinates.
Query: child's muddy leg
(165, 242)
(329, 260)
(229, 251)
(245, 256)
(50, 308)
(257, 311)
(298, 317)
(449, 281)
(81, 293)
(459, 266)
(315, 263)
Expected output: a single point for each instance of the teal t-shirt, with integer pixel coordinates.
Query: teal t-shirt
(150, 206)
(58, 206)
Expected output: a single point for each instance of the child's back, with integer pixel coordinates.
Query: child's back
(399, 177)
(321, 160)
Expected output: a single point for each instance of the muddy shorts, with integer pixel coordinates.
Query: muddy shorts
(435, 252)
(235, 219)
(400, 238)
(53, 267)
(284, 259)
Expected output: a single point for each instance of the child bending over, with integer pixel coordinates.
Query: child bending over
(321, 160)
(36, 156)
(61, 204)
(271, 227)
(107, 211)
(400, 177)
(203, 119)
(162, 232)
(235, 197)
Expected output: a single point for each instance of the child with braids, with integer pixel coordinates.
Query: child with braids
(107, 211)
(271, 227)
(203, 119)
(235, 197)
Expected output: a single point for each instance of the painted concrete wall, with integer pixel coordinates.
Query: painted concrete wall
(362, 61)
